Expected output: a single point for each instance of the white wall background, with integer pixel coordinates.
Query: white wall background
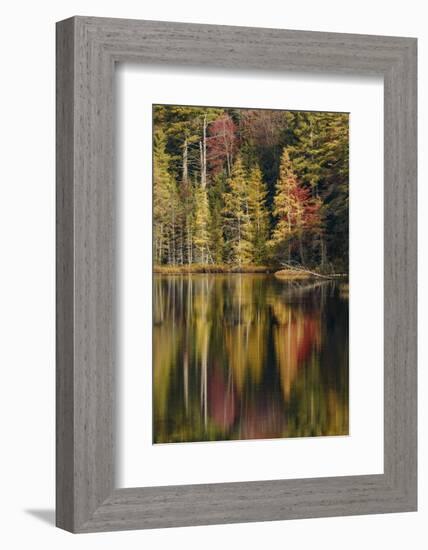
(27, 272)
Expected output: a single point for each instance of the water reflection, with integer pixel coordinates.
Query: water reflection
(247, 357)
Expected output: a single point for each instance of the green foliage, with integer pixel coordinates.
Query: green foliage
(237, 221)
(285, 207)
(166, 206)
(280, 194)
(320, 155)
(181, 123)
(216, 201)
(259, 215)
(201, 233)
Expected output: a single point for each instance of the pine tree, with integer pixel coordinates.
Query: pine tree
(166, 207)
(215, 195)
(285, 207)
(184, 127)
(237, 217)
(161, 183)
(297, 214)
(303, 194)
(259, 215)
(201, 237)
(320, 155)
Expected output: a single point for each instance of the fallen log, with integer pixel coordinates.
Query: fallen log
(293, 272)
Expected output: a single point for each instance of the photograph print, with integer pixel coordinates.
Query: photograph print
(250, 274)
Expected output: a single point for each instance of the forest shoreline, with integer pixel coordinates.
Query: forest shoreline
(189, 269)
(237, 188)
(283, 274)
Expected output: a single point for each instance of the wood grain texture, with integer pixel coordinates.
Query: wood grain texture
(64, 276)
(87, 50)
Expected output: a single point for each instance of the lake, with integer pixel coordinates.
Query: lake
(248, 357)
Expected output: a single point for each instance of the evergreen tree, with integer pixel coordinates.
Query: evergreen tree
(183, 127)
(201, 227)
(320, 155)
(297, 215)
(216, 193)
(259, 215)
(161, 188)
(237, 220)
(285, 208)
(209, 208)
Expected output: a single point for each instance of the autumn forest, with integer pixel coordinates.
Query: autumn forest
(245, 189)
(250, 285)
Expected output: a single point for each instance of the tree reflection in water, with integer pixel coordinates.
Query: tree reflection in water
(248, 357)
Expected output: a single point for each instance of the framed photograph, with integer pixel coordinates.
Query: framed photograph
(236, 274)
(244, 333)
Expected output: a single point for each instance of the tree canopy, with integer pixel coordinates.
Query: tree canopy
(250, 187)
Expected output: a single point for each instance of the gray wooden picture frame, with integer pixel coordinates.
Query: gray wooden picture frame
(87, 50)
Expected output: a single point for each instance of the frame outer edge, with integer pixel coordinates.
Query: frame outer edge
(86, 498)
(94, 276)
(65, 57)
(400, 253)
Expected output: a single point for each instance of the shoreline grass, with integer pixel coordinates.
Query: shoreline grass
(306, 275)
(287, 274)
(210, 268)
(294, 275)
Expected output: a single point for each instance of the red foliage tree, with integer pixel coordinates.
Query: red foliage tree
(221, 144)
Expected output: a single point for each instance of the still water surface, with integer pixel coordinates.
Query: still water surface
(248, 357)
